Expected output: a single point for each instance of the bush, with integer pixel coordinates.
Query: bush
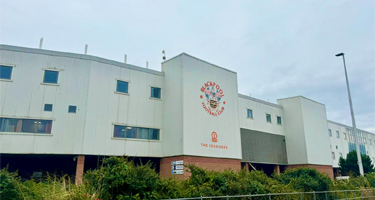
(9, 183)
(371, 179)
(305, 180)
(119, 178)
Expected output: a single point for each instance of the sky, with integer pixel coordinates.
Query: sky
(278, 48)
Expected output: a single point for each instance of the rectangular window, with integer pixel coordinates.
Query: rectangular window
(370, 141)
(72, 109)
(155, 92)
(249, 113)
(51, 76)
(48, 107)
(136, 132)
(278, 120)
(340, 155)
(268, 118)
(333, 156)
(6, 72)
(344, 135)
(337, 134)
(25, 125)
(122, 86)
(330, 132)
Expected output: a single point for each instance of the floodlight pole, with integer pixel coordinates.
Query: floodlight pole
(353, 119)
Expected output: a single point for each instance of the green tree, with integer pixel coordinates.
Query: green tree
(349, 165)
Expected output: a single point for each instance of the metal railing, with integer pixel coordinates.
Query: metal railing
(322, 195)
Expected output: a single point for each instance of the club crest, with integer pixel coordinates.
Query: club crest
(213, 96)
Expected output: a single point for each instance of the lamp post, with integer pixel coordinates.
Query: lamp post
(353, 120)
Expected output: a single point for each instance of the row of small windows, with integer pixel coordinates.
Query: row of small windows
(345, 136)
(49, 108)
(268, 117)
(38, 126)
(334, 155)
(52, 77)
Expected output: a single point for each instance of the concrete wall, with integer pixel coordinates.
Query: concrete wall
(89, 83)
(260, 109)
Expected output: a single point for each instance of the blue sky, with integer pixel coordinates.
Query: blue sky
(278, 48)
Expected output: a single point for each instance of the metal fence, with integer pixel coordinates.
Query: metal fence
(323, 195)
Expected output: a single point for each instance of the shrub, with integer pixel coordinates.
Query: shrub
(305, 180)
(371, 179)
(119, 178)
(9, 183)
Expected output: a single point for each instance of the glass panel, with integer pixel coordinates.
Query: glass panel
(50, 76)
(44, 126)
(143, 133)
(122, 86)
(47, 107)
(72, 109)
(5, 72)
(279, 120)
(249, 113)
(268, 118)
(154, 134)
(119, 131)
(11, 125)
(131, 132)
(29, 125)
(155, 92)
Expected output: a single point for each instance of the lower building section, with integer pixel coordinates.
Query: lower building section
(215, 164)
(325, 169)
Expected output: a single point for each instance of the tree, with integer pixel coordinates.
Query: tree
(350, 165)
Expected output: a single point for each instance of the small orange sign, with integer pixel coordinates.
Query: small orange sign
(214, 136)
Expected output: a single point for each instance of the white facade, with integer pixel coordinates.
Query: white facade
(189, 123)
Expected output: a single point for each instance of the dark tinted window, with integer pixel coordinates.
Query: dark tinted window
(25, 125)
(155, 92)
(268, 117)
(48, 107)
(5, 72)
(72, 109)
(136, 132)
(50, 76)
(249, 113)
(122, 86)
(278, 120)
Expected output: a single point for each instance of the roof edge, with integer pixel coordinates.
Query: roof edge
(78, 56)
(259, 101)
(349, 127)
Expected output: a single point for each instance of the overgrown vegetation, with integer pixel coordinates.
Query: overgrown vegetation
(119, 178)
(349, 165)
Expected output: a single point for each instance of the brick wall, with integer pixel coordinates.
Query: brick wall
(215, 164)
(325, 169)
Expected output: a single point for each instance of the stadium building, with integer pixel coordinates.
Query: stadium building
(63, 112)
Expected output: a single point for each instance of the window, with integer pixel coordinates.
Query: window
(25, 125)
(369, 140)
(340, 155)
(48, 107)
(337, 134)
(72, 109)
(249, 113)
(51, 76)
(337, 147)
(333, 156)
(344, 134)
(122, 86)
(279, 120)
(268, 118)
(136, 132)
(330, 132)
(6, 72)
(155, 92)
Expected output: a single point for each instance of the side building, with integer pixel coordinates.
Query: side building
(63, 112)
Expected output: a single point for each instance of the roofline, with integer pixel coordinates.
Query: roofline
(78, 56)
(301, 97)
(260, 101)
(183, 53)
(349, 127)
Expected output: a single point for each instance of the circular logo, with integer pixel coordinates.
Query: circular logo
(213, 98)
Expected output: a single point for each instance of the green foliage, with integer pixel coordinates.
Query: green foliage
(8, 185)
(349, 165)
(371, 179)
(305, 179)
(119, 178)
